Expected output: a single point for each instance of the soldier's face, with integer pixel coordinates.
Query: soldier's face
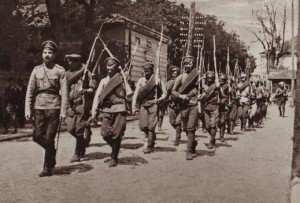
(175, 74)
(210, 80)
(188, 65)
(222, 81)
(111, 70)
(148, 73)
(48, 55)
(73, 65)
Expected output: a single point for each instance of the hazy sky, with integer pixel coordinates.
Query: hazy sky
(237, 14)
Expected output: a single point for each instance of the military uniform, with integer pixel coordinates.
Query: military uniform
(80, 99)
(223, 107)
(212, 97)
(146, 96)
(185, 90)
(244, 102)
(110, 100)
(232, 108)
(174, 107)
(47, 101)
(281, 96)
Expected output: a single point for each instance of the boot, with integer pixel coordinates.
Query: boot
(280, 114)
(75, 158)
(244, 122)
(191, 145)
(212, 143)
(151, 140)
(178, 136)
(46, 172)
(283, 111)
(222, 132)
(231, 127)
(115, 153)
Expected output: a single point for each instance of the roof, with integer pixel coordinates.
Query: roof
(139, 27)
(280, 74)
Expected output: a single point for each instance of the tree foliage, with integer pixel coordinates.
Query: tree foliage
(75, 19)
(271, 19)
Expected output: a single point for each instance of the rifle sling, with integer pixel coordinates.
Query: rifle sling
(189, 81)
(146, 89)
(113, 83)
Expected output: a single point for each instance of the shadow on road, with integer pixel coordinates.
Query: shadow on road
(132, 146)
(163, 139)
(67, 170)
(129, 138)
(223, 145)
(26, 139)
(164, 149)
(200, 153)
(132, 161)
(232, 138)
(97, 144)
(95, 156)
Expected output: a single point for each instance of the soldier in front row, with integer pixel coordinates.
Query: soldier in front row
(212, 98)
(81, 91)
(46, 102)
(110, 100)
(185, 90)
(244, 94)
(174, 106)
(147, 95)
(223, 106)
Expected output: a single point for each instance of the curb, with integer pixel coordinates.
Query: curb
(295, 190)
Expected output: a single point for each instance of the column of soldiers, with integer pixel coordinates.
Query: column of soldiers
(55, 95)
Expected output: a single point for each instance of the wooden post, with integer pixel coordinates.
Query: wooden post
(191, 29)
(292, 104)
(296, 138)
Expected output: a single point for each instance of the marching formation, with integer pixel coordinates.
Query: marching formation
(190, 97)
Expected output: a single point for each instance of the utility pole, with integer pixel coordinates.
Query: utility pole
(296, 138)
(191, 29)
(292, 104)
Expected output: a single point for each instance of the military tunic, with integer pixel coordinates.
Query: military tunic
(46, 100)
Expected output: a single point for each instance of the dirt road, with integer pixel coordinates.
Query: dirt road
(250, 167)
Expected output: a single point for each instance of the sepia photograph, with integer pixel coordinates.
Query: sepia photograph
(150, 101)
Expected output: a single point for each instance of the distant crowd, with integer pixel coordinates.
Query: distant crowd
(12, 115)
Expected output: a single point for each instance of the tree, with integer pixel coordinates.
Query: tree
(272, 21)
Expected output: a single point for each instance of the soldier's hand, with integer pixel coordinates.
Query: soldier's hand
(28, 116)
(183, 97)
(134, 111)
(62, 117)
(217, 84)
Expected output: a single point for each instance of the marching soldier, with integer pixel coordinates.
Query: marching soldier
(185, 90)
(232, 107)
(223, 107)
(212, 96)
(244, 95)
(81, 92)
(174, 106)
(110, 100)
(47, 101)
(145, 96)
(162, 107)
(281, 96)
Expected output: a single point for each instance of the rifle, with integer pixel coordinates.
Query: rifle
(97, 63)
(215, 65)
(228, 76)
(200, 75)
(157, 63)
(128, 90)
(85, 74)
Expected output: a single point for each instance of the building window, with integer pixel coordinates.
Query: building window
(137, 40)
(149, 44)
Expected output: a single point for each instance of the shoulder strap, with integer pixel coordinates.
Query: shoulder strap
(190, 80)
(114, 82)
